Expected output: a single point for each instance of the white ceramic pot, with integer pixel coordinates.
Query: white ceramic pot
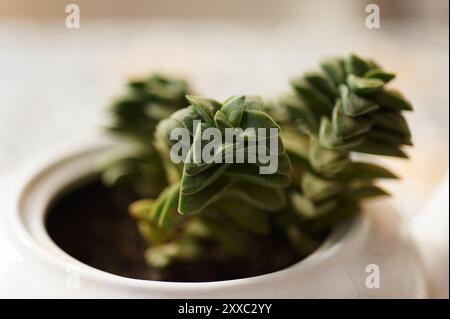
(430, 229)
(370, 257)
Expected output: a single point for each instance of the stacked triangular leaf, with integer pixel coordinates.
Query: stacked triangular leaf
(349, 104)
(204, 183)
(345, 107)
(146, 102)
(135, 115)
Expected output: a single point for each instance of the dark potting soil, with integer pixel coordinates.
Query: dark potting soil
(91, 223)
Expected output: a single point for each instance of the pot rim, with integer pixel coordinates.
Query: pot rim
(336, 242)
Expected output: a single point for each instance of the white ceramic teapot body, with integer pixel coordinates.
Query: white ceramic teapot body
(371, 256)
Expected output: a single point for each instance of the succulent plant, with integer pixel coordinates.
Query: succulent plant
(351, 108)
(345, 108)
(135, 115)
(146, 101)
(226, 199)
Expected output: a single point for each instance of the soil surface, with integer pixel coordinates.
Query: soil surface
(91, 223)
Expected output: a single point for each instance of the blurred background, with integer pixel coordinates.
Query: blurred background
(55, 82)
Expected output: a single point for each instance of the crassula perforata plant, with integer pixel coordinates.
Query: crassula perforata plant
(134, 116)
(344, 108)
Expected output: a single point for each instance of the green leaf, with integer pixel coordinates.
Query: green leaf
(334, 68)
(361, 170)
(257, 119)
(146, 102)
(157, 111)
(306, 209)
(116, 175)
(356, 65)
(299, 162)
(295, 143)
(365, 191)
(222, 120)
(192, 168)
(233, 110)
(152, 233)
(194, 203)
(392, 121)
(160, 256)
(322, 83)
(392, 100)
(284, 165)
(341, 212)
(319, 103)
(387, 137)
(194, 183)
(299, 112)
(319, 189)
(197, 228)
(254, 103)
(168, 211)
(266, 198)
(206, 108)
(185, 117)
(347, 126)
(163, 130)
(194, 164)
(380, 74)
(246, 216)
(329, 139)
(141, 209)
(327, 162)
(250, 173)
(354, 105)
(158, 205)
(363, 86)
(378, 148)
(372, 64)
